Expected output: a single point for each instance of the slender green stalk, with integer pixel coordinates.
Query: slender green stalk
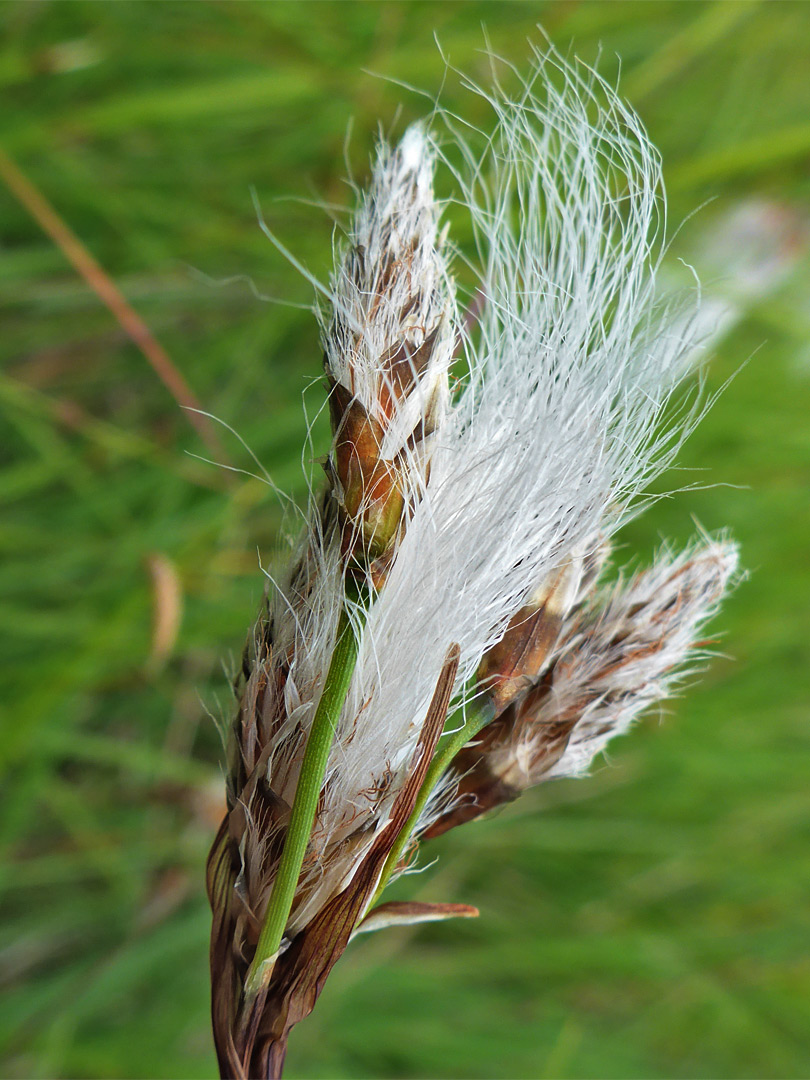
(477, 718)
(305, 803)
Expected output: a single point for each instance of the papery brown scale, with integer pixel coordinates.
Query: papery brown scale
(370, 491)
(515, 663)
(511, 665)
(227, 972)
(402, 367)
(385, 277)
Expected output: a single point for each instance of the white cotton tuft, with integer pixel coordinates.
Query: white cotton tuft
(567, 413)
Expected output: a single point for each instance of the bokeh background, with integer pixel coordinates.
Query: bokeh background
(651, 921)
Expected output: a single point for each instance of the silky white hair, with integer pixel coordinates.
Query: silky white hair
(571, 404)
(561, 422)
(572, 399)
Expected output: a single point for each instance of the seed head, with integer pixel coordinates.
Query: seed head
(464, 533)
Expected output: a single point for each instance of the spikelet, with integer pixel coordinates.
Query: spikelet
(388, 345)
(625, 651)
(635, 649)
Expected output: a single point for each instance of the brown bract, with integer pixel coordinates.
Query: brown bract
(373, 491)
(368, 488)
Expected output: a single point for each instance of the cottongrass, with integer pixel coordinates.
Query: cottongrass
(456, 551)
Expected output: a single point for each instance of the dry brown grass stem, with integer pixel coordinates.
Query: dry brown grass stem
(111, 296)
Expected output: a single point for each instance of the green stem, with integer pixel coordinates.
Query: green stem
(305, 803)
(447, 750)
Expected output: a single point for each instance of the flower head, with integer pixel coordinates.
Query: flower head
(454, 557)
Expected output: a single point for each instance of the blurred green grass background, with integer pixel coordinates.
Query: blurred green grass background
(651, 921)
